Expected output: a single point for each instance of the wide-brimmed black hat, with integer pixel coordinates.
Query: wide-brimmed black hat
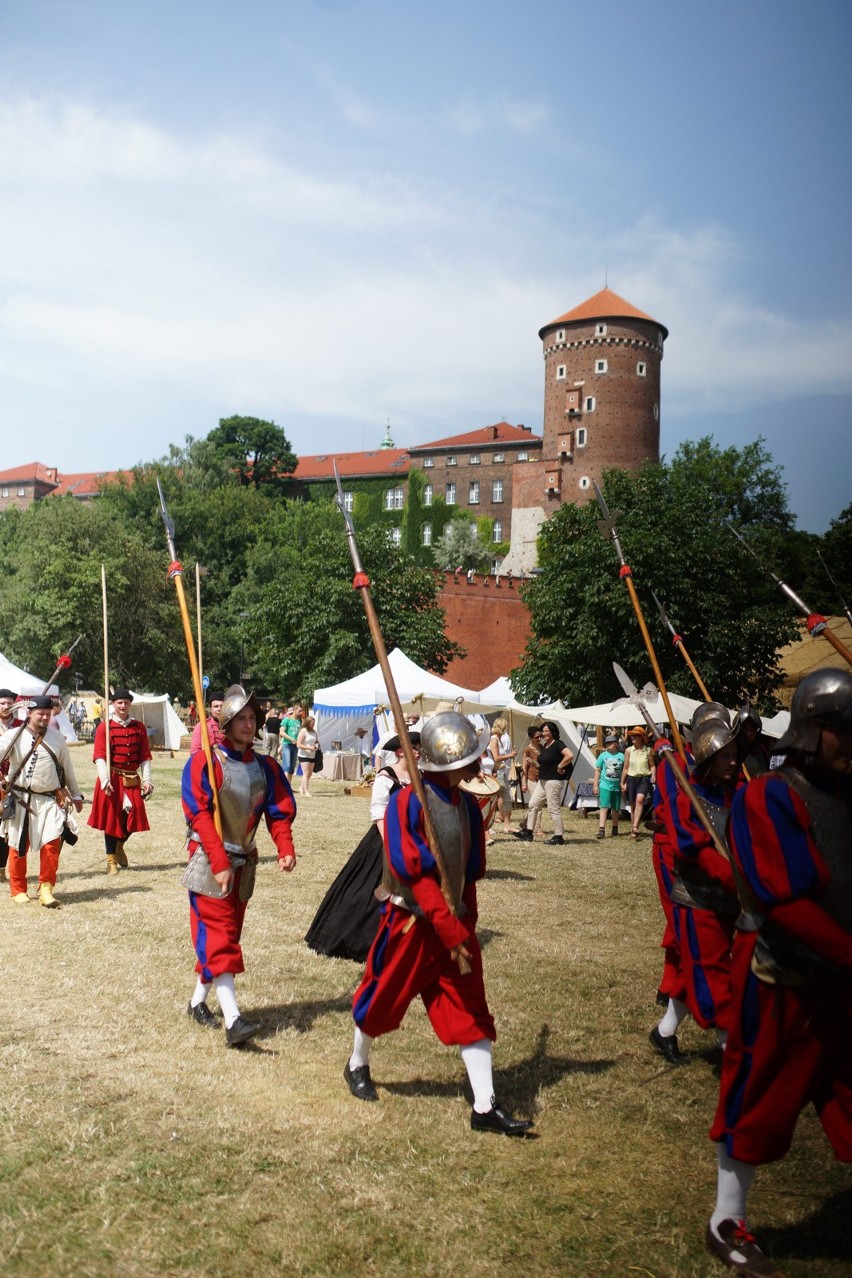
(393, 743)
(122, 694)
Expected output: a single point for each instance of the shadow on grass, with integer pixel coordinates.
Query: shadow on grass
(486, 935)
(517, 1085)
(298, 1016)
(824, 1235)
(510, 874)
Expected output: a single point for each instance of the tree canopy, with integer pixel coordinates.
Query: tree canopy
(257, 451)
(731, 616)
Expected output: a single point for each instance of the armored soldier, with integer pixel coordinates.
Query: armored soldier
(751, 751)
(791, 978)
(221, 871)
(118, 804)
(39, 786)
(704, 894)
(420, 940)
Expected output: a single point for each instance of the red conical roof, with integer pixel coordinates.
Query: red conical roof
(604, 305)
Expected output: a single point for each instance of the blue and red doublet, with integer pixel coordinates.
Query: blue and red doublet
(704, 935)
(788, 1045)
(672, 982)
(129, 748)
(410, 956)
(216, 923)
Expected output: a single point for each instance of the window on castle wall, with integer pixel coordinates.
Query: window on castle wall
(561, 372)
(641, 369)
(473, 492)
(22, 492)
(585, 482)
(656, 412)
(590, 403)
(394, 499)
(600, 330)
(396, 536)
(4, 493)
(497, 531)
(523, 456)
(600, 365)
(497, 490)
(450, 496)
(581, 437)
(451, 461)
(427, 535)
(560, 336)
(429, 462)
(428, 492)
(499, 457)
(474, 459)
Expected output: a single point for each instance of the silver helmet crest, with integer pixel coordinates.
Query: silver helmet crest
(236, 699)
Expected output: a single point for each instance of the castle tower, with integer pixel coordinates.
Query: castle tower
(601, 391)
(601, 409)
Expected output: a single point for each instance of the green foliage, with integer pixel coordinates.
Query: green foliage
(460, 545)
(257, 451)
(732, 618)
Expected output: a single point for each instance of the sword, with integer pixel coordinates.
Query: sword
(361, 582)
(608, 529)
(816, 623)
(681, 647)
(639, 699)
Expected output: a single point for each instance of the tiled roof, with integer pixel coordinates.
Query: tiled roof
(500, 433)
(32, 472)
(86, 484)
(604, 305)
(380, 461)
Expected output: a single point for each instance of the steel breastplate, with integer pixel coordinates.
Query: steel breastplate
(241, 799)
(451, 824)
(831, 830)
(693, 886)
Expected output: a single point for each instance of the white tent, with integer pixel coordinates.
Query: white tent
(498, 693)
(164, 727)
(345, 708)
(21, 682)
(627, 716)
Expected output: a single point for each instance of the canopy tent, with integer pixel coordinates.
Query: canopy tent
(628, 716)
(811, 652)
(346, 709)
(777, 725)
(165, 729)
(21, 682)
(499, 693)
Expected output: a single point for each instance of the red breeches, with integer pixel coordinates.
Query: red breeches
(705, 940)
(48, 866)
(216, 924)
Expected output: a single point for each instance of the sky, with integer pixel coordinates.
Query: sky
(342, 213)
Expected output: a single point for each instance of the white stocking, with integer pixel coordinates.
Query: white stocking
(477, 1062)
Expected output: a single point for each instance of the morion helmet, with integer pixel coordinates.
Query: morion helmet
(748, 714)
(448, 740)
(711, 735)
(823, 698)
(236, 699)
(709, 710)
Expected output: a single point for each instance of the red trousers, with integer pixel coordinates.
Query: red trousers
(786, 1048)
(48, 866)
(705, 940)
(216, 924)
(406, 960)
(672, 981)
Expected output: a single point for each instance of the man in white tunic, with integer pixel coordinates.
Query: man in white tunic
(38, 783)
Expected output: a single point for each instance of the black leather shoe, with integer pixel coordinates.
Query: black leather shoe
(359, 1082)
(240, 1032)
(524, 834)
(497, 1120)
(738, 1249)
(202, 1015)
(556, 841)
(667, 1047)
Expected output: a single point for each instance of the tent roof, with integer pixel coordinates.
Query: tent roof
(626, 716)
(809, 653)
(21, 682)
(413, 684)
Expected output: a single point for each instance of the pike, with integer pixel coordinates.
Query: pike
(639, 699)
(106, 667)
(816, 623)
(836, 587)
(64, 663)
(608, 529)
(681, 647)
(361, 582)
(176, 574)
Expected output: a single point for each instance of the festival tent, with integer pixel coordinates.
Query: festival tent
(165, 729)
(346, 708)
(21, 682)
(624, 715)
(499, 693)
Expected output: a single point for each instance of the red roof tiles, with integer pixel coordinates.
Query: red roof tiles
(380, 461)
(500, 433)
(604, 305)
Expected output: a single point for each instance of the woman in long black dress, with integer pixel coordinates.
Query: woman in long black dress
(347, 920)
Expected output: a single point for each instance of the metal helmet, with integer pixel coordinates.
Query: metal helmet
(748, 714)
(712, 735)
(236, 699)
(448, 740)
(709, 710)
(822, 699)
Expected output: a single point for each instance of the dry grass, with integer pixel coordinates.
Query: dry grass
(134, 1143)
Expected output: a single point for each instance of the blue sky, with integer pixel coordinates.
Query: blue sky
(333, 214)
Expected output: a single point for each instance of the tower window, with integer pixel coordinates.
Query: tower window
(589, 403)
(561, 373)
(451, 495)
(473, 492)
(560, 336)
(427, 495)
(585, 482)
(497, 490)
(581, 437)
(429, 462)
(600, 365)
(600, 330)
(641, 369)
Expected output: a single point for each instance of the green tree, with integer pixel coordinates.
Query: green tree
(460, 546)
(257, 451)
(731, 616)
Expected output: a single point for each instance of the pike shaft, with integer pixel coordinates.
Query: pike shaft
(106, 667)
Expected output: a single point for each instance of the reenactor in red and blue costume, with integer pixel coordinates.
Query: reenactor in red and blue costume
(672, 987)
(118, 803)
(704, 895)
(422, 945)
(221, 871)
(791, 979)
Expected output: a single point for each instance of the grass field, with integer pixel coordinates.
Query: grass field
(134, 1143)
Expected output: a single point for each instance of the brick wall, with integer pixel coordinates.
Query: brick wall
(490, 621)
